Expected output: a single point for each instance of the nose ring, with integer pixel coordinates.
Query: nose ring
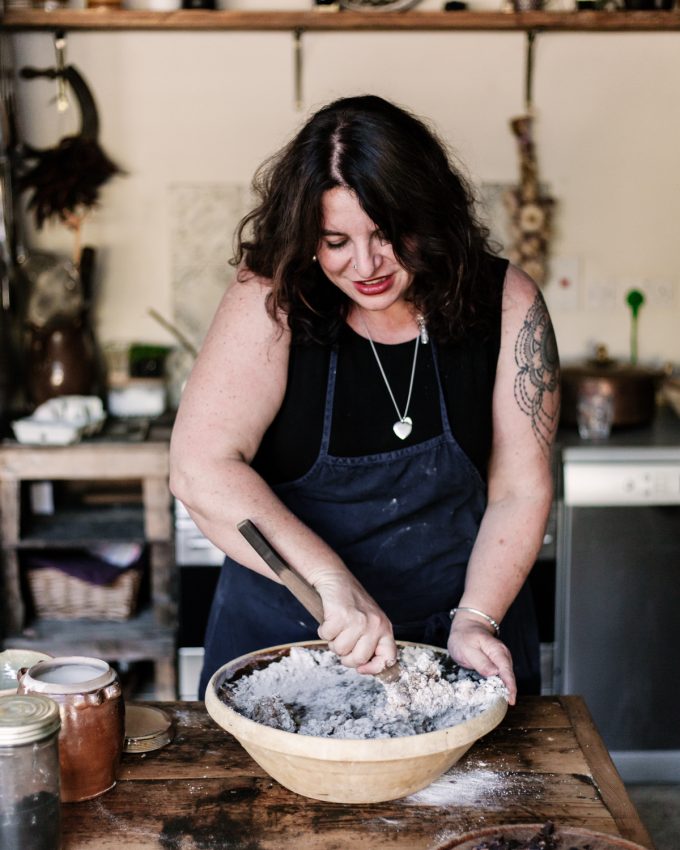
(354, 266)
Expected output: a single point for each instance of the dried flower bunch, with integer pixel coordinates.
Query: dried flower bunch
(529, 210)
(60, 190)
(64, 181)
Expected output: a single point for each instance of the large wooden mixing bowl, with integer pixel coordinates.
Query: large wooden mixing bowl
(344, 770)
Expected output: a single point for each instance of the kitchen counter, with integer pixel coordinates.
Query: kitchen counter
(662, 433)
(546, 761)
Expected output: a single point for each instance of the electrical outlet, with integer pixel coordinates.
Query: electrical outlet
(661, 293)
(562, 289)
(601, 295)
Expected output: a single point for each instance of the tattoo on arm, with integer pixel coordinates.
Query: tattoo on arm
(538, 372)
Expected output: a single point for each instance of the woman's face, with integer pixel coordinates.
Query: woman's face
(355, 257)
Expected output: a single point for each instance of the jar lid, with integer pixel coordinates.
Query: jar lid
(25, 718)
(68, 674)
(146, 729)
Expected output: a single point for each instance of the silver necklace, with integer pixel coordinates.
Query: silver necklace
(404, 424)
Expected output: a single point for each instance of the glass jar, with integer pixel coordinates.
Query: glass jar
(30, 814)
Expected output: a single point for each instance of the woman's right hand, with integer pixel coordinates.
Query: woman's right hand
(356, 629)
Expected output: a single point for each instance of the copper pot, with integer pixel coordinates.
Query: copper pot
(633, 389)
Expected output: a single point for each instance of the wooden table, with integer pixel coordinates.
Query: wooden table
(546, 761)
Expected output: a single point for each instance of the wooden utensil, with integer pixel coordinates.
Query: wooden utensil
(298, 586)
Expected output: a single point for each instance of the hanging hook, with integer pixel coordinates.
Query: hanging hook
(89, 119)
(529, 72)
(60, 51)
(297, 42)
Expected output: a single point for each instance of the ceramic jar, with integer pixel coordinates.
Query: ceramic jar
(88, 693)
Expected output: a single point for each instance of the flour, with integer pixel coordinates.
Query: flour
(473, 784)
(311, 693)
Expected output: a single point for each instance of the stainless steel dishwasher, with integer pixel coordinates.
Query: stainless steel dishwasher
(617, 641)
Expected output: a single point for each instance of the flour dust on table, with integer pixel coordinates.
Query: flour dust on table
(311, 693)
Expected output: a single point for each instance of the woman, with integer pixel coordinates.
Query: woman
(379, 395)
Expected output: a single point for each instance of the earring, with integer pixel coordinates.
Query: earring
(313, 258)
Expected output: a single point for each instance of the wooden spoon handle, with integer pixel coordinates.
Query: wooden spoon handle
(298, 586)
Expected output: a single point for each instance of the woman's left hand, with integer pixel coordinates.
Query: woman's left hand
(472, 645)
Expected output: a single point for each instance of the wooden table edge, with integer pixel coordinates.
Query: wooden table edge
(605, 775)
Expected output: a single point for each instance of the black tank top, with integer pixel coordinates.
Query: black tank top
(363, 413)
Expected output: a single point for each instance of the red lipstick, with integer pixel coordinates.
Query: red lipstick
(375, 287)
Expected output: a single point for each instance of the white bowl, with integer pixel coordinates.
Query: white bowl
(342, 770)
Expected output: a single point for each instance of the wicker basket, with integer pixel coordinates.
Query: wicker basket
(59, 596)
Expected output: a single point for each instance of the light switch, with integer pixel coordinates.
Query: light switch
(562, 290)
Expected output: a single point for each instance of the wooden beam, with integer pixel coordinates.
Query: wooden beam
(313, 21)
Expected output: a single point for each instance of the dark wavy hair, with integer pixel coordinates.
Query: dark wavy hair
(406, 183)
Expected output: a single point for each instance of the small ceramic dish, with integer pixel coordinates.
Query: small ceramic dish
(35, 433)
(61, 421)
(13, 660)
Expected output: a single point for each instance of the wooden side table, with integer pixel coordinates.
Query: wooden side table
(150, 635)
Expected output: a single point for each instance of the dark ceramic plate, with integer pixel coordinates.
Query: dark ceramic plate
(570, 838)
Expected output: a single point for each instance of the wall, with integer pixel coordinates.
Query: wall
(190, 116)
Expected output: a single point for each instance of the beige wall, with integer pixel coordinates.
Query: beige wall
(206, 108)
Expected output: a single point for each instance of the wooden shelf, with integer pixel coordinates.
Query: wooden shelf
(83, 528)
(120, 19)
(138, 639)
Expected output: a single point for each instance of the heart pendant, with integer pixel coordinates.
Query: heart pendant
(403, 427)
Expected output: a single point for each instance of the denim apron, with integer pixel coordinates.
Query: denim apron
(404, 522)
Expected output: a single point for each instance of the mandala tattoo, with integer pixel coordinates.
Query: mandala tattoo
(538, 371)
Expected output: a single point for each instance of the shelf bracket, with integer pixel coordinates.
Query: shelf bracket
(297, 66)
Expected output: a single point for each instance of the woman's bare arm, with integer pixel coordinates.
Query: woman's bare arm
(525, 415)
(234, 392)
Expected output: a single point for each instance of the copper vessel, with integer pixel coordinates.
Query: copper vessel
(633, 388)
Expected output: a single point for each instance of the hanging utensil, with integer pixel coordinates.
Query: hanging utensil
(634, 299)
(298, 586)
(64, 181)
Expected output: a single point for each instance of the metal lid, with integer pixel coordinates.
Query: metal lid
(26, 718)
(146, 729)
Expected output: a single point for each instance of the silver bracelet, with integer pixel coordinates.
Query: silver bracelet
(496, 627)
